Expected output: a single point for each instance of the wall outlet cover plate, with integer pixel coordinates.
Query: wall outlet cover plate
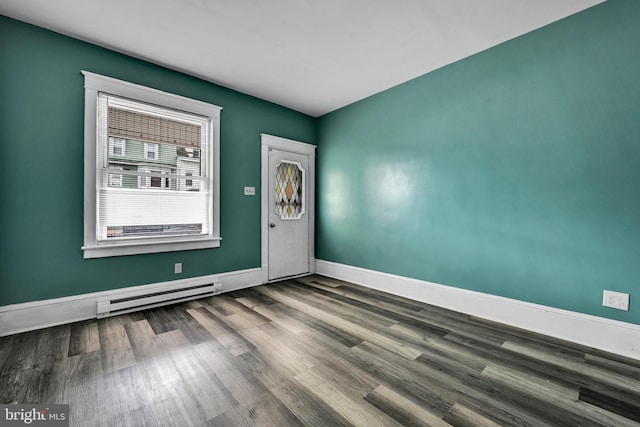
(616, 300)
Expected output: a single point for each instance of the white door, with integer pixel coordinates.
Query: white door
(288, 214)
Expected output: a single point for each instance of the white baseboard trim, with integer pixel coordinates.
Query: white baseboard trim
(16, 318)
(609, 335)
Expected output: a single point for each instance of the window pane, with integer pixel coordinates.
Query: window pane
(115, 180)
(289, 184)
(151, 150)
(139, 171)
(117, 147)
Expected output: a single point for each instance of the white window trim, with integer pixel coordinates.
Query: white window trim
(95, 83)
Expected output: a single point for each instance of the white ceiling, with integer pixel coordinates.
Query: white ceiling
(311, 56)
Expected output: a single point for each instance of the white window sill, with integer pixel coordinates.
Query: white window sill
(138, 247)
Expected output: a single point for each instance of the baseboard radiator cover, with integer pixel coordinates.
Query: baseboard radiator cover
(29, 316)
(128, 302)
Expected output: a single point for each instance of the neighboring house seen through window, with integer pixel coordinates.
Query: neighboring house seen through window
(153, 184)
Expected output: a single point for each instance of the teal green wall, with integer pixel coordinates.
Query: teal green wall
(514, 172)
(41, 178)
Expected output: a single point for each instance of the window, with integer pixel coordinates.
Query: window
(188, 164)
(151, 150)
(290, 180)
(117, 146)
(115, 179)
(155, 181)
(141, 144)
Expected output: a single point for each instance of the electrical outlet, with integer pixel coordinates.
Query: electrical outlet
(615, 300)
(177, 268)
(249, 191)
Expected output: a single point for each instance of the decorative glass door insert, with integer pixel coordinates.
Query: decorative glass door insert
(290, 203)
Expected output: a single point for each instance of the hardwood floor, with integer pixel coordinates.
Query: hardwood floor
(314, 351)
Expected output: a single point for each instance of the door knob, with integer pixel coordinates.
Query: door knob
(272, 225)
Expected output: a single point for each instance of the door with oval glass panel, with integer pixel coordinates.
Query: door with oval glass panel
(289, 213)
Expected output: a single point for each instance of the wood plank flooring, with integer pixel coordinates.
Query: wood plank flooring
(315, 351)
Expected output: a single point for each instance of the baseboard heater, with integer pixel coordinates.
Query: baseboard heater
(121, 304)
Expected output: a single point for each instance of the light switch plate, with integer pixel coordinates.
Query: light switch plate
(249, 191)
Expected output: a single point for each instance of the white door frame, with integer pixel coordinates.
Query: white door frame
(270, 142)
